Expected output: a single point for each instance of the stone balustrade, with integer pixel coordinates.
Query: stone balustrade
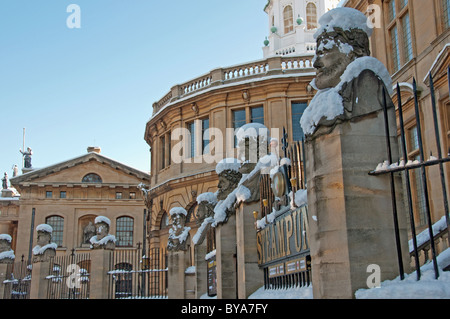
(277, 65)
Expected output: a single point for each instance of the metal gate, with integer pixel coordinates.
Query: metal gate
(138, 274)
(68, 277)
(18, 280)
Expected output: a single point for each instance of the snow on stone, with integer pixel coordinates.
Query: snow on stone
(182, 236)
(102, 241)
(190, 270)
(207, 221)
(344, 18)
(44, 228)
(38, 250)
(424, 236)
(9, 254)
(220, 211)
(201, 229)
(178, 211)
(102, 219)
(300, 198)
(208, 197)
(328, 103)
(228, 163)
(6, 237)
(210, 255)
(242, 194)
(410, 288)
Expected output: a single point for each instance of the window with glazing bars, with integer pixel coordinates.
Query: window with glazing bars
(407, 42)
(124, 232)
(445, 14)
(57, 224)
(288, 17)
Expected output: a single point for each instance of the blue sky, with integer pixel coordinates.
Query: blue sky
(74, 88)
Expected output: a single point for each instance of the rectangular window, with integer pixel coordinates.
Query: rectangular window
(62, 195)
(446, 14)
(163, 151)
(297, 112)
(48, 194)
(205, 136)
(403, 3)
(238, 121)
(420, 195)
(192, 145)
(257, 115)
(118, 195)
(407, 42)
(392, 11)
(132, 195)
(395, 49)
(413, 139)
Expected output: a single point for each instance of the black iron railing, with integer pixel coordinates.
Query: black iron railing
(421, 166)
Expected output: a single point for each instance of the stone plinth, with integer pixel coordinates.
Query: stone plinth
(99, 273)
(39, 285)
(250, 276)
(350, 212)
(226, 259)
(176, 274)
(201, 270)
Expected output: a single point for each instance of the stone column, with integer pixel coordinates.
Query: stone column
(201, 270)
(226, 259)
(3, 277)
(250, 276)
(177, 267)
(350, 213)
(39, 285)
(99, 281)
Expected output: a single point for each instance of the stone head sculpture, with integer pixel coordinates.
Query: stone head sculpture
(229, 176)
(102, 239)
(45, 249)
(6, 253)
(342, 38)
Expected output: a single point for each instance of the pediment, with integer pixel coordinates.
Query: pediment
(72, 172)
(440, 66)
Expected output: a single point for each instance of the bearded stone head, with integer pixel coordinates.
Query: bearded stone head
(342, 38)
(228, 181)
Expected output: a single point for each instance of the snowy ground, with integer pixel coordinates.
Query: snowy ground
(409, 288)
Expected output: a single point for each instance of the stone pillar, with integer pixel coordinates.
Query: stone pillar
(3, 277)
(99, 278)
(201, 270)
(350, 213)
(250, 276)
(176, 281)
(226, 259)
(39, 285)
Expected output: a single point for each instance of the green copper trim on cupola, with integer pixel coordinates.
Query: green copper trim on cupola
(265, 7)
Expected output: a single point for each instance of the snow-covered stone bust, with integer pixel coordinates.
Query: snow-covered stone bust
(45, 249)
(178, 233)
(349, 82)
(229, 176)
(102, 239)
(6, 253)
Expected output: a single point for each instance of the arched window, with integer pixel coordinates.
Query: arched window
(288, 18)
(165, 222)
(57, 223)
(124, 232)
(123, 279)
(311, 16)
(91, 178)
